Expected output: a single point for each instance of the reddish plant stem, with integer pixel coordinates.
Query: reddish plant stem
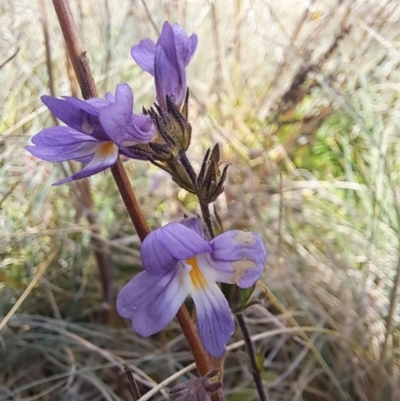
(77, 54)
(86, 82)
(201, 357)
(128, 196)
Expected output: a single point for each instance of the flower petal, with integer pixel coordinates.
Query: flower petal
(115, 116)
(214, 318)
(100, 103)
(163, 247)
(65, 111)
(195, 224)
(151, 302)
(143, 54)
(168, 79)
(78, 114)
(105, 155)
(166, 39)
(244, 252)
(185, 46)
(90, 107)
(169, 68)
(61, 143)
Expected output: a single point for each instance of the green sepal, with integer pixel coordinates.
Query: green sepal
(239, 299)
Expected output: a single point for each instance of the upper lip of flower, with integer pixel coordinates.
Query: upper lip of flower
(179, 261)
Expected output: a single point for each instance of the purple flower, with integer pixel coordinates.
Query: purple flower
(166, 61)
(178, 262)
(97, 130)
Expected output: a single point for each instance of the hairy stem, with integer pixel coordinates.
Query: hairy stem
(205, 212)
(85, 79)
(128, 196)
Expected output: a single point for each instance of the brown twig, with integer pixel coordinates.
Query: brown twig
(77, 54)
(85, 79)
(133, 387)
(132, 206)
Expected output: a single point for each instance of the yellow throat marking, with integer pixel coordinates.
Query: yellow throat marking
(107, 148)
(196, 275)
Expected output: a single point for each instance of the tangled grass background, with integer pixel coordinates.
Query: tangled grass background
(304, 101)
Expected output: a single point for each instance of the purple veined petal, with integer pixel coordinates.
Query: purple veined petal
(214, 318)
(151, 302)
(143, 54)
(115, 116)
(110, 97)
(65, 111)
(140, 129)
(169, 71)
(167, 39)
(61, 143)
(100, 103)
(185, 46)
(89, 115)
(77, 114)
(169, 77)
(88, 107)
(163, 247)
(105, 155)
(242, 251)
(195, 224)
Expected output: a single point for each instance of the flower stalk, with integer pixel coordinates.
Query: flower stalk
(255, 371)
(86, 82)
